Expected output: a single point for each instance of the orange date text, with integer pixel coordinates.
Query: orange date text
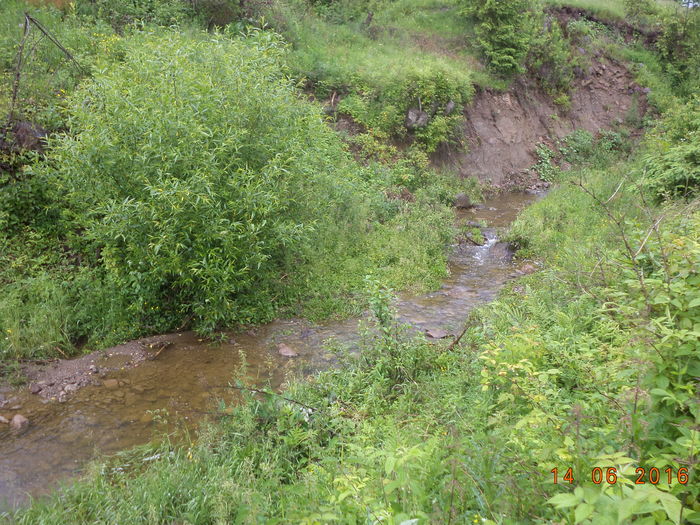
(642, 475)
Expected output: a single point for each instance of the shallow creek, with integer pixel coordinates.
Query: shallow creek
(191, 374)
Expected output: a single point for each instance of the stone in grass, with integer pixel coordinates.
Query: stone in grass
(436, 333)
(286, 351)
(462, 201)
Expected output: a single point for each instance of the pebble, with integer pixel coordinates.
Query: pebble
(35, 388)
(111, 383)
(286, 351)
(436, 333)
(527, 269)
(19, 422)
(71, 387)
(4, 420)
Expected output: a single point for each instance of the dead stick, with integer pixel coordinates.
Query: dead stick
(166, 345)
(457, 339)
(18, 70)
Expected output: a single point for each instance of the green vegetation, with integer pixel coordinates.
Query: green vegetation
(190, 181)
(215, 198)
(672, 167)
(503, 31)
(613, 10)
(589, 363)
(376, 73)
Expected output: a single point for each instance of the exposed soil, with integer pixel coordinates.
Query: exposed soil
(62, 377)
(502, 129)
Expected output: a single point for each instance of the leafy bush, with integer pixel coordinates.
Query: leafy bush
(679, 47)
(578, 147)
(673, 164)
(503, 32)
(384, 112)
(23, 198)
(199, 177)
(551, 60)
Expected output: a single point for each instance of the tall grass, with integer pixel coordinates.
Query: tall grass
(343, 56)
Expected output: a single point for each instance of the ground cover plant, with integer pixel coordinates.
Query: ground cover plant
(367, 73)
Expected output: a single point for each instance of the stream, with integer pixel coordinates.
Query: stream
(192, 373)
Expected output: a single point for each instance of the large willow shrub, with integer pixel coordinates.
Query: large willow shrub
(199, 178)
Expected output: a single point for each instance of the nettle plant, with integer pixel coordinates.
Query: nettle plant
(672, 168)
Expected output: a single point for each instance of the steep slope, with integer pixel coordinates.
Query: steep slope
(502, 129)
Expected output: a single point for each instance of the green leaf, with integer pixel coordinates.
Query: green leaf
(583, 511)
(660, 392)
(672, 507)
(625, 509)
(562, 501)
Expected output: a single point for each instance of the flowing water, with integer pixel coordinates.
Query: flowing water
(192, 373)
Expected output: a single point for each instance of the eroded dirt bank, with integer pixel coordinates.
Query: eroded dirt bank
(502, 129)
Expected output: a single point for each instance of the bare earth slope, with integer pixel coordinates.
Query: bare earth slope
(502, 129)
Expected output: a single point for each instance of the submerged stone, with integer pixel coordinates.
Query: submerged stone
(19, 422)
(286, 351)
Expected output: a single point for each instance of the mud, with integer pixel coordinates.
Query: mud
(55, 379)
(130, 396)
(502, 129)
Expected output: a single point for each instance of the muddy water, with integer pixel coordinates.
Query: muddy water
(178, 388)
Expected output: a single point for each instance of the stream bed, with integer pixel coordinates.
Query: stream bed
(192, 373)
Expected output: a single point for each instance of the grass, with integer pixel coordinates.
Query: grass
(343, 57)
(610, 9)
